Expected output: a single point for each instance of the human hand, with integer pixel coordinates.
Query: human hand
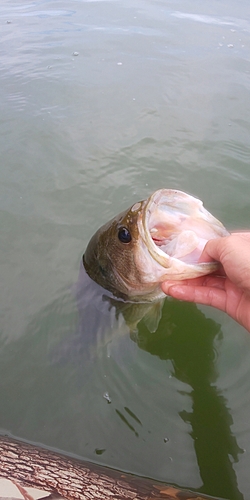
(228, 289)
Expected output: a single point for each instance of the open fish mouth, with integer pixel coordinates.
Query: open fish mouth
(175, 228)
(158, 239)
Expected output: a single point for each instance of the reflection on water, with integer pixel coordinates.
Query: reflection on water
(191, 350)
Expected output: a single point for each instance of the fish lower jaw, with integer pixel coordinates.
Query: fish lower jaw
(189, 271)
(161, 267)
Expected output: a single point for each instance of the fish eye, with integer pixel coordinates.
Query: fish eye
(124, 235)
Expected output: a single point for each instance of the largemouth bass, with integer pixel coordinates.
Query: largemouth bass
(157, 239)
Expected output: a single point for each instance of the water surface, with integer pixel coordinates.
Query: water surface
(102, 102)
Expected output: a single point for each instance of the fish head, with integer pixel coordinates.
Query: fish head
(111, 255)
(155, 240)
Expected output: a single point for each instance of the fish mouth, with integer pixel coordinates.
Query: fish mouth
(175, 228)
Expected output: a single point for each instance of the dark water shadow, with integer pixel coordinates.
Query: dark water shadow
(187, 338)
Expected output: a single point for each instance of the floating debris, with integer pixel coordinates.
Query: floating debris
(107, 397)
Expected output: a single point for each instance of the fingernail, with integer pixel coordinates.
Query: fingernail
(176, 291)
(166, 285)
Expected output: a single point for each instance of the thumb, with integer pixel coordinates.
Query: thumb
(213, 250)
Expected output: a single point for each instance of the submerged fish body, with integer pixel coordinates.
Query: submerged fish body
(157, 239)
(105, 325)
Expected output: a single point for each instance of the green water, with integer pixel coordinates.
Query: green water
(101, 104)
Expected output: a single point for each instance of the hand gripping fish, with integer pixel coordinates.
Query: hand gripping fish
(157, 239)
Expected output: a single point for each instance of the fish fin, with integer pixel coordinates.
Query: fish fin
(153, 316)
